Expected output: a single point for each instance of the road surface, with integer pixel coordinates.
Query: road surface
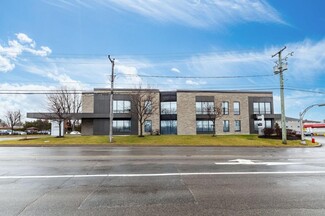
(162, 181)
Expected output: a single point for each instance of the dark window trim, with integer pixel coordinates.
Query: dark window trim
(228, 128)
(224, 110)
(239, 126)
(238, 108)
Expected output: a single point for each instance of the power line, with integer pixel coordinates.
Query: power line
(45, 92)
(197, 77)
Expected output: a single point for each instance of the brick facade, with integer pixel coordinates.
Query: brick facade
(186, 110)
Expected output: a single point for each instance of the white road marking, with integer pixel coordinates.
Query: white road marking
(161, 174)
(254, 162)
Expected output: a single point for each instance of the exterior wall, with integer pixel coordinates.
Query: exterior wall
(98, 104)
(291, 123)
(87, 127)
(186, 110)
(186, 114)
(155, 116)
(258, 98)
(88, 103)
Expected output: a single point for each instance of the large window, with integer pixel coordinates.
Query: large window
(147, 126)
(237, 125)
(236, 108)
(123, 126)
(121, 106)
(262, 107)
(267, 123)
(168, 127)
(168, 108)
(148, 106)
(225, 108)
(204, 107)
(204, 126)
(225, 126)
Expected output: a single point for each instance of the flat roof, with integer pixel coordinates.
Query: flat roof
(179, 90)
(226, 91)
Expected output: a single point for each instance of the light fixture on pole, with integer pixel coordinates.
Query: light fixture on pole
(301, 117)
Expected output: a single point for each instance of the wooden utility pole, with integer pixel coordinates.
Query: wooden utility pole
(278, 69)
(111, 101)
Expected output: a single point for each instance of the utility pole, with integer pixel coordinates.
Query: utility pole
(111, 101)
(278, 69)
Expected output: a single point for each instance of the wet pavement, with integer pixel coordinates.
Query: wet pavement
(162, 181)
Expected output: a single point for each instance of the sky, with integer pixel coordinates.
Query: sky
(165, 44)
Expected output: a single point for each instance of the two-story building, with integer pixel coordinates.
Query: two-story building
(182, 112)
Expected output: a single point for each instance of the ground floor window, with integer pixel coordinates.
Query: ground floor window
(204, 126)
(147, 126)
(225, 126)
(168, 127)
(267, 123)
(123, 126)
(237, 126)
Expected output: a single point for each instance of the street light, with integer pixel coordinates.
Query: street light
(301, 115)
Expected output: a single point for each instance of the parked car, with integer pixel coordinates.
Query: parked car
(19, 133)
(44, 132)
(4, 132)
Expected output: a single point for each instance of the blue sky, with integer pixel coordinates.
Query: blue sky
(46, 44)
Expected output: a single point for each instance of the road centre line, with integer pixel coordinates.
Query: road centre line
(160, 174)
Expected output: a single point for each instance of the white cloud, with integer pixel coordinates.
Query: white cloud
(197, 13)
(24, 103)
(175, 70)
(10, 52)
(23, 38)
(195, 83)
(131, 75)
(6, 65)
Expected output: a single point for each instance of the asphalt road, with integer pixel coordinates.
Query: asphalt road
(162, 181)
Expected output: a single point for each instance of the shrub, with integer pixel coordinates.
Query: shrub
(268, 131)
(277, 130)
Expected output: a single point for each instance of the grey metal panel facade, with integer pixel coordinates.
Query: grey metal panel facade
(168, 96)
(101, 103)
(204, 98)
(87, 128)
(252, 116)
(101, 126)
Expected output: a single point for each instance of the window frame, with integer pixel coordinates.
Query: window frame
(235, 127)
(203, 105)
(121, 106)
(166, 108)
(126, 127)
(235, 111)
(145, 126)
(225, 107)
(226, 126)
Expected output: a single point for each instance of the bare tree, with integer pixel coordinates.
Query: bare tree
(13, 118)
(144, 104)
(214, 113)
(62, 104)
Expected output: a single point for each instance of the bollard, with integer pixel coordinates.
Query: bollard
(313, 140)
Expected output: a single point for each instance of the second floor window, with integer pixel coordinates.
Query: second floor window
(168, 108)
(148, 106)
(225, 108)
(236, 108)
(121, 106)
(204, 107)
(262, 108)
